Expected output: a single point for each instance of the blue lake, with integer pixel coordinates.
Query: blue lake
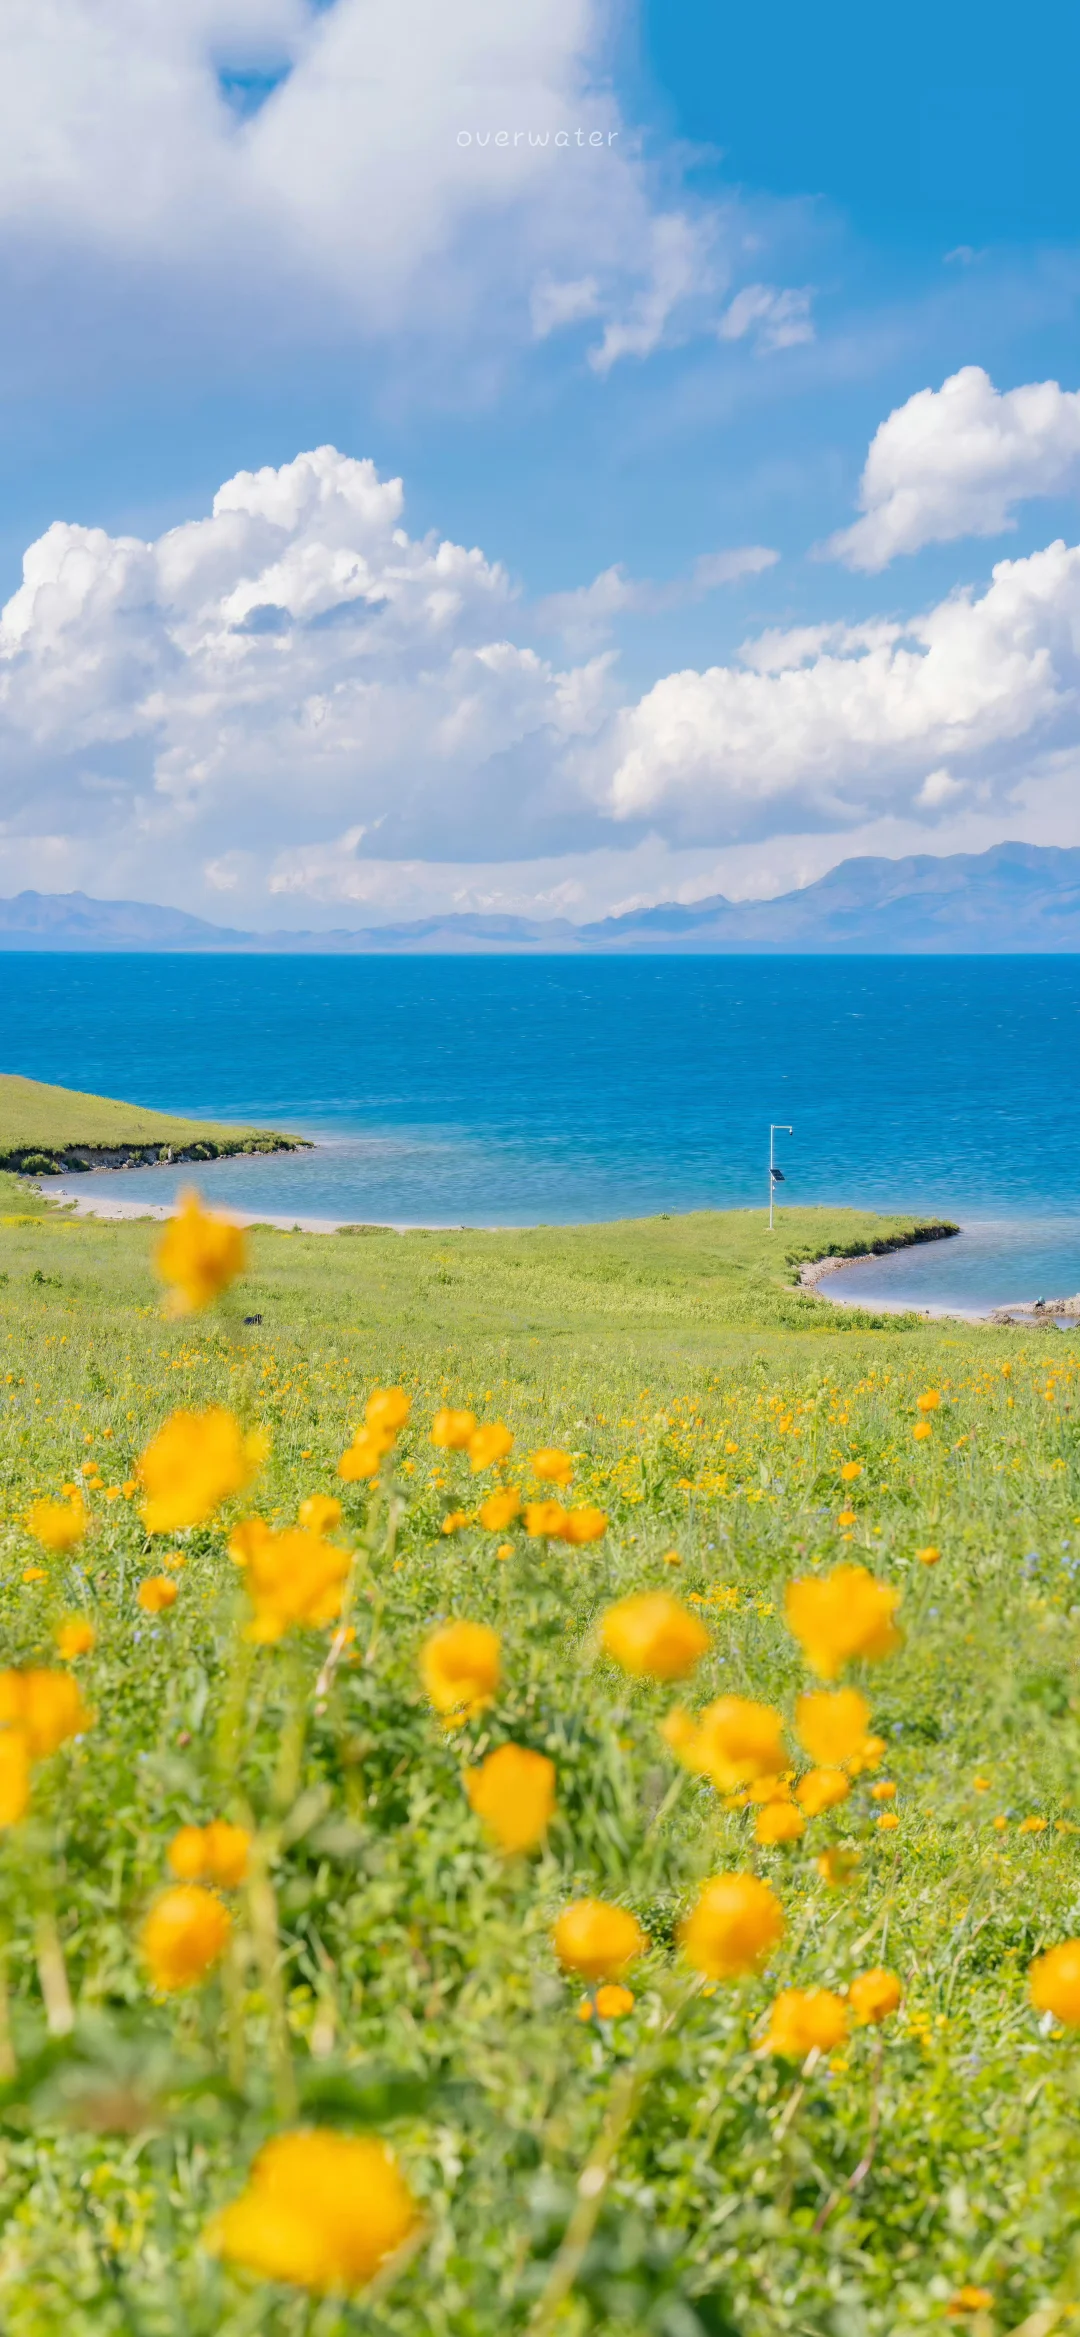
(498, 1091)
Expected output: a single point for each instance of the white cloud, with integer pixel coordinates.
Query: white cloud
(457, 174)
(953, 462)
(835, 723)
(776, 319)
(587, 614)
(293, 700)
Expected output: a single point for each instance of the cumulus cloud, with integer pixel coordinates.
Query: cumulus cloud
(372, 167)
(954, 461)
(836, 722)
(293, 700)
(588, 613)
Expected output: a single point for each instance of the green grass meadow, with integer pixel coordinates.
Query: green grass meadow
(655, 2175)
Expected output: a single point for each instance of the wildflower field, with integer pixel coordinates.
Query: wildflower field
(539, 1790)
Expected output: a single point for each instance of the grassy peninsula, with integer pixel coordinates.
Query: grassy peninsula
(45, 1129)
(646, 2163)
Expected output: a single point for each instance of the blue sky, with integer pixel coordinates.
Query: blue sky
(234, 231)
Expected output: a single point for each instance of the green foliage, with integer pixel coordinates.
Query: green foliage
(709, 1409)
(39, 1123)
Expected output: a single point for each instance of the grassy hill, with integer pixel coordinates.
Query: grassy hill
(44, 1129)
(661, 2171)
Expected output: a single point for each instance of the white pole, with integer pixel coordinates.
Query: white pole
(776, 1128)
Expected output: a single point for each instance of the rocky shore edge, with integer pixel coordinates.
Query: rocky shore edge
(44, 1161)
(814, 1270)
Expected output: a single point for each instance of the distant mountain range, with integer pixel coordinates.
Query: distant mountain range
(1015, 897)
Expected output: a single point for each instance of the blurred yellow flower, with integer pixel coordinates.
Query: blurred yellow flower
(364, 1457)
(183, 1936)
(840, 1616)
(155, 1594)
(75, 1637)
(319, 1514)
(885, 1791)
(551, 1465)
(59, 1525)
(499, 1510)
(612, 2000)
(14, 1776)
(733, 1926)
(186, 1854)
(1054, 1982)
(218, 1850)
(735, 1741)
(46, 1707)
(487, 1444)
(321, 2211)
(198, 1256)
(969, 2299)
(544, 1520)
(294, 1577)
(874, 1995)
(598, 1940)
(777, 1822)
(929, 1556)
(929, 1401)
(193, 1464)
(34, 1574)
(451, 1431)
(832, 1727)
(460, 1668)
(888, 1822)
(653, 1636)
(804, 2019)
(921, 1431)
(821, 1789)
(1032, 1826)
(454, 1520)
(583, 1524)
(849, 1471)
(387, 1410)
(513, 1795)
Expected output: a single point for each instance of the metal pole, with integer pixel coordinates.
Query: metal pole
(776, 1128)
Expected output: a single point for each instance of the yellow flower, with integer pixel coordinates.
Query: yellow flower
(14, 1776)
(874, 1995)
(929, 1401)
(34, 1574)
(184, 1934)
(840, 1616)
(321, 2211)
(364, 1457)
(802, 2019)
(969, 2299)
(598, 1940)
(930, 1555)
(921, 1431)
(733, 1926)
(454, 1520)
(319, 1514)
(846, 1517)
(821, 1789)
(59, 1525)
(1054, 1982)
(513, 1795)
(849, 1471)
(832, 1728)
(500, 1510)
(198, 1256)
(387, 1409)
(46, 1707)
(544, 1520)
(451, 1430)
(583, 1524)
(489, 1444)
(735, 1742)
(75, 1637)
(227, 1852)
(186, 1854)
(292, 1578)
(1032, 1826)
(193, 1464)
(778, 1822)
(888, 1822)
(459, 1666)
(552, 1466)
(653, 1636)
(155, 1594)
(612, 2001)
(886, 1791)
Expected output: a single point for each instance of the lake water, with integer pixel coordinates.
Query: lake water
(499, 1091)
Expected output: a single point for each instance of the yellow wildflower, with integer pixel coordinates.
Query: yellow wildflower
(821, 1789)
(59, 1525)
(874, 1995)
(75, 1637)
(841, 1616)
(460, 1666)
(653, 1636)
(733, 1926)
(319, 1514)
(583, 1524)
(292, 1578)
(777, 1822)
(735, 1741)
(321, 2211)
(198, 1256)
(804, 2019)
(14, 1776)
(551, 1465)
(513, 1795)
(183, 1936)
(832, 1728)
(155, 1594)
(487, 1444)
(193, 1464)
(598, 1940)
(451, 1431)
(46, 1707)
(1054, 1982)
